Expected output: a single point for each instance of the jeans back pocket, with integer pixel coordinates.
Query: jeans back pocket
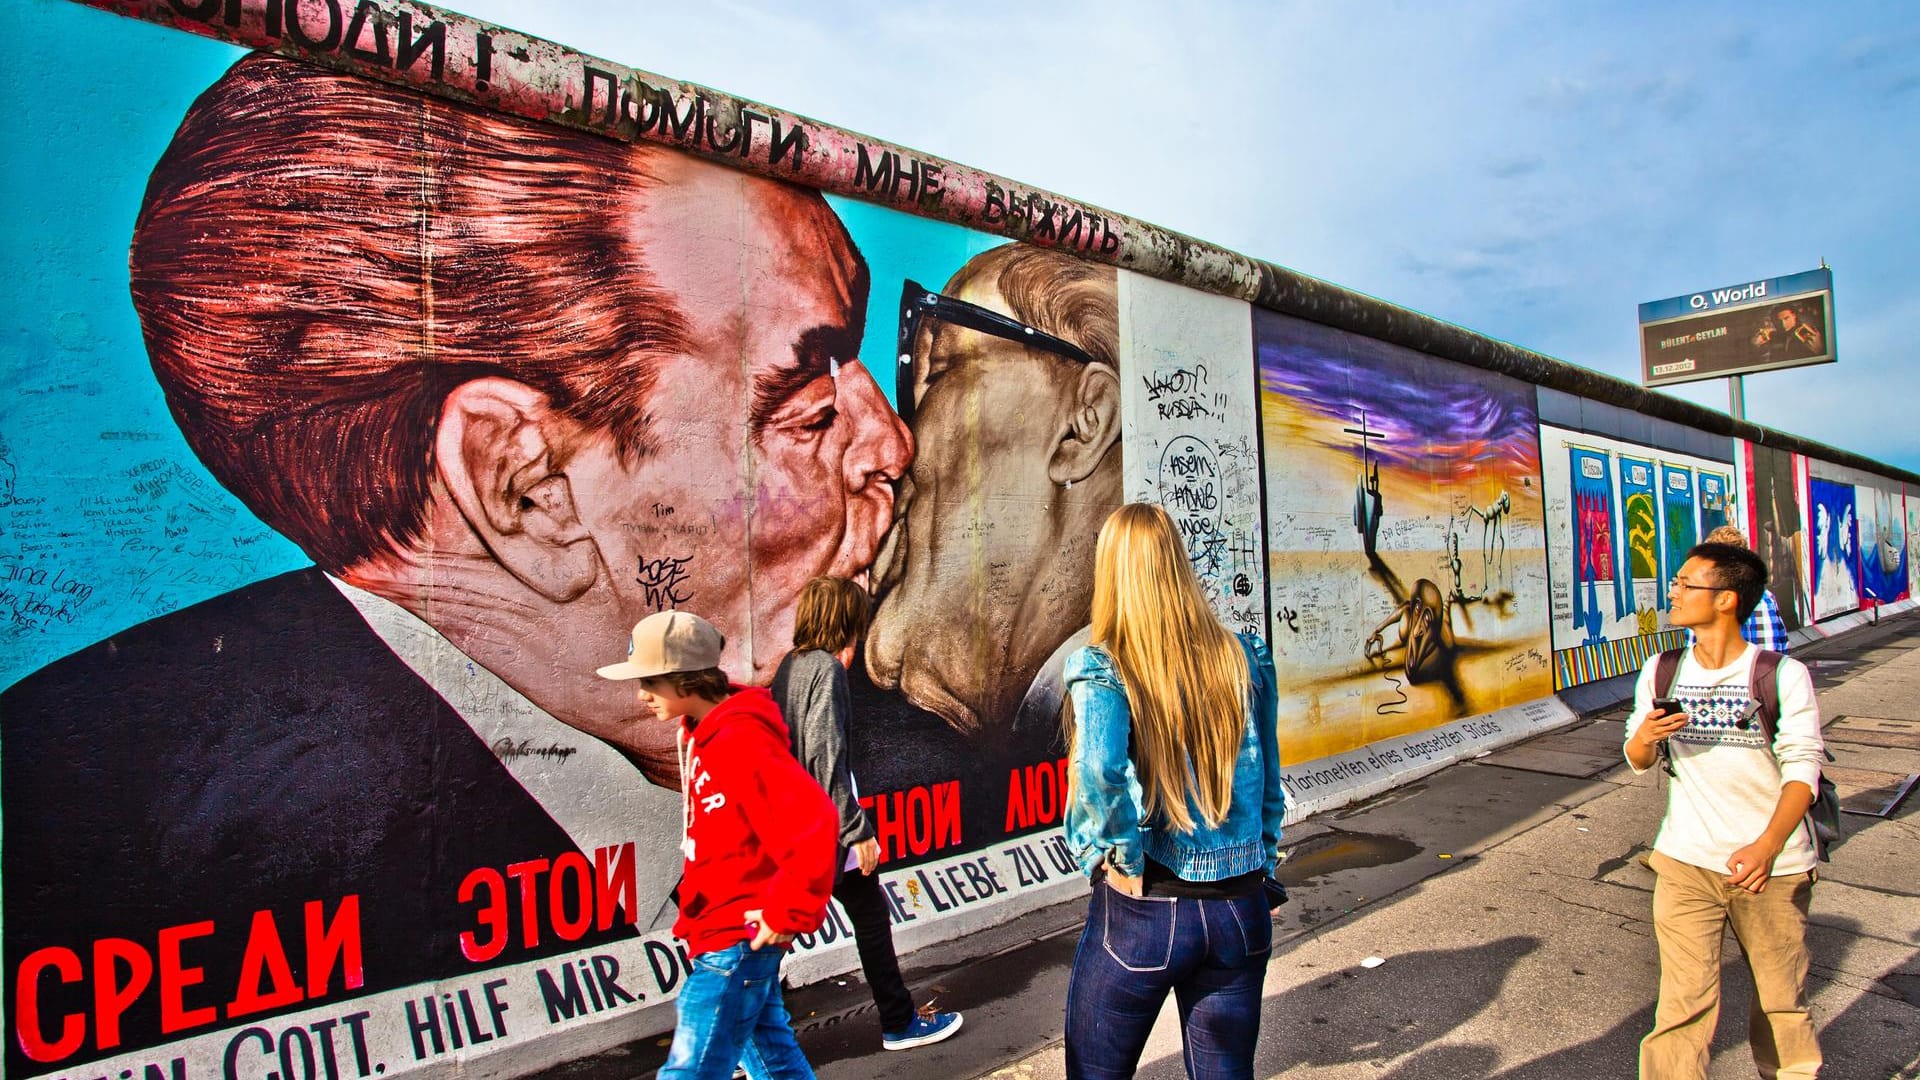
(1256, 924)
(1138, 931)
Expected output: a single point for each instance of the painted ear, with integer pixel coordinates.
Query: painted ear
(1092, 425)
(494, 455)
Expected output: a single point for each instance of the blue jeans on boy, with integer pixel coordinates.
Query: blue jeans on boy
(1212, 954)
(731, 1013)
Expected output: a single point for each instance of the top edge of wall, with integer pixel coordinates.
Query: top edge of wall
(440, 51)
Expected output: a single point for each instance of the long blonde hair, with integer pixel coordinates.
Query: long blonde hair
(1186, 677)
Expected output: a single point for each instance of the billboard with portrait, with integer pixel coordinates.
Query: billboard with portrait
(1756, 326)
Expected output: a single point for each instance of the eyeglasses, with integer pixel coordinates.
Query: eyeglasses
(1676, 583)
(918, 303)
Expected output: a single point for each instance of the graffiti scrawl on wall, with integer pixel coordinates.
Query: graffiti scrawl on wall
(1620, 519)
(1193, 434)
(1406, 556)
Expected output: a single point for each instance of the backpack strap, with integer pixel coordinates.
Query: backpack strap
(1765, 688)
(1666, 671)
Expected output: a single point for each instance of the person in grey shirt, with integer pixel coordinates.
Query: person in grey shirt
(811, 689)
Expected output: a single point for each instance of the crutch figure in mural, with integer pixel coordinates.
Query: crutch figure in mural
(1367, 503)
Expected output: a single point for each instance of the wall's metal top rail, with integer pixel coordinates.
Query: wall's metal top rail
(445, 53)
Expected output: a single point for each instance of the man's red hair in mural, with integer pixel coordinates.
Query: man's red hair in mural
(320, 258)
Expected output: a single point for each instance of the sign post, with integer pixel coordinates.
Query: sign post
(1725, 333)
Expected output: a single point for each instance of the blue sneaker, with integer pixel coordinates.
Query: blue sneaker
(928, 1027)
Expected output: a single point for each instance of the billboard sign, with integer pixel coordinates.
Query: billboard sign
(1756, 326)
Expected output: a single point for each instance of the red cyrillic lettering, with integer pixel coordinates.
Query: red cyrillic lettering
(175, 977)
(572, 864)
(265, 957)
(111, 997)
(946, 814)
(528, 875)
(614, 884)
(26, 997)
(337, 942)
(1018, 816)
(491, 917)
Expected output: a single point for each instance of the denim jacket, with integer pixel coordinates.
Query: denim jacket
(1106, 813)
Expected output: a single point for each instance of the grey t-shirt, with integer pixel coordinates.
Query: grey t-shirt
(811, 689)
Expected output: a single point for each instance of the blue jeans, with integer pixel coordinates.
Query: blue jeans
(1212, 954)
(731, 1013)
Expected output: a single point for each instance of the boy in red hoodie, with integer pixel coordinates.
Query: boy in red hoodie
(759, 844)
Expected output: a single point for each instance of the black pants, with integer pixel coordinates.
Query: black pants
(873, 934)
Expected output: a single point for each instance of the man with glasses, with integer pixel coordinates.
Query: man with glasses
(1009, 381)
(1764, 627)
(1734, 845)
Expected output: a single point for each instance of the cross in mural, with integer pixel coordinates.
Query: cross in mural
(1367, 504)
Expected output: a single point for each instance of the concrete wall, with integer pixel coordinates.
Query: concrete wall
(359, 409)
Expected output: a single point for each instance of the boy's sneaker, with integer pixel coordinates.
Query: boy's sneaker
(928, 1027)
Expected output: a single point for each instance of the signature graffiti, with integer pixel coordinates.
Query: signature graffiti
(664, 580)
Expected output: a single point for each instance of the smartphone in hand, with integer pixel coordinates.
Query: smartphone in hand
(1667, 705)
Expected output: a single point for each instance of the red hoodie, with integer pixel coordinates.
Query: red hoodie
(761, 831)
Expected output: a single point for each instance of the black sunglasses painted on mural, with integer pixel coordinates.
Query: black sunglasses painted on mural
(917, 303)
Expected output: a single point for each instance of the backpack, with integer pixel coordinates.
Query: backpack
(1823, 817)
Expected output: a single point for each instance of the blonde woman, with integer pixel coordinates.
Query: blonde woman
(1174, 811)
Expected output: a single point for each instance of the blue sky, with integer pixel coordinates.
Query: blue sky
(1532, 171)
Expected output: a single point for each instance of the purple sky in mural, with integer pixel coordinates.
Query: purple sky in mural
(1427, 409)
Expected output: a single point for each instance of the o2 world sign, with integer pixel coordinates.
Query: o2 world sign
(1761, 325)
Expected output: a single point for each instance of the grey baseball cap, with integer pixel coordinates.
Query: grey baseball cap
(666, 642)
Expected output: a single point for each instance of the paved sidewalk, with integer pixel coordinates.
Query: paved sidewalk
(1508, 901)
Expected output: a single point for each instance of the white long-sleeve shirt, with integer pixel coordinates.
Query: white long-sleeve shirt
(1727, 780)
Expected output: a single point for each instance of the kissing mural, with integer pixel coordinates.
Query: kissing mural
(352, 427)
(1406, 557)
(415, 409)
(1620, 520)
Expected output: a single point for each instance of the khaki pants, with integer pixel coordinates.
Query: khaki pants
(1691, 909)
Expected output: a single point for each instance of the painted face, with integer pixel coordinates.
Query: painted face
(775, 452)
(970, 617)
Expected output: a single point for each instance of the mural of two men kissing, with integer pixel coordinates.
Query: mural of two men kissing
(512, 388)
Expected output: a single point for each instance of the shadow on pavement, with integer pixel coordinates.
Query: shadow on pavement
(1426, 995)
